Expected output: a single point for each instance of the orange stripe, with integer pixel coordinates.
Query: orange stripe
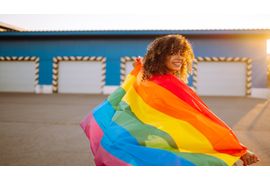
(136, 69)
(166, 102)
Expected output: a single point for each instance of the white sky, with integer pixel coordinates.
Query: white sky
(131, 21)
(136, 14)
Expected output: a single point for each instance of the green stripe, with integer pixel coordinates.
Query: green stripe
(115, 97)
(202, 159)
(150, 136)
(142, 132)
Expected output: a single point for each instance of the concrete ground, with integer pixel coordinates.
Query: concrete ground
(43, 129)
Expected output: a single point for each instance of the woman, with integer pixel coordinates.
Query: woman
(154, 118)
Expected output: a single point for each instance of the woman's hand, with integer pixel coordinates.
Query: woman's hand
(137, 60)
(249, 158)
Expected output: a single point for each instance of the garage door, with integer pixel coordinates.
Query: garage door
(223, 76)
(18, 74)
(126, 66)
(79, 74)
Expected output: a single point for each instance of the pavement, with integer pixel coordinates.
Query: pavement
(43, 129)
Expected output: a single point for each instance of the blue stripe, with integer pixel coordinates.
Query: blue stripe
(121, 144)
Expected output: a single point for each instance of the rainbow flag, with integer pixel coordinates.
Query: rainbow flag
(160, 121)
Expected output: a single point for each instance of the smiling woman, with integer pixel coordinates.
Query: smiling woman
(169, 54)
(154, 118)
(174, 63)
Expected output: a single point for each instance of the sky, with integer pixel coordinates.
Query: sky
(136, 14)
(135, 21)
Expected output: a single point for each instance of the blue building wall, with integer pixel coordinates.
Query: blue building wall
(113, 47)
(251, 47)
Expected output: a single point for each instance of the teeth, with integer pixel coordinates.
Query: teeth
(177, 64)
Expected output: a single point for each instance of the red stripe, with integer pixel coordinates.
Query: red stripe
(185, 93)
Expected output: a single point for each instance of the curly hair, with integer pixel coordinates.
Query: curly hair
(163, 47)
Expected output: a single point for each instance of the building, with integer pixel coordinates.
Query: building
(229, 62)
(7, 27)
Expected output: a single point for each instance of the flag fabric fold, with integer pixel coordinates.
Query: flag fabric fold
(159, 121)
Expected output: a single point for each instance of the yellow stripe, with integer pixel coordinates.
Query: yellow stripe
(188, 138)
(130, 79)
(229, 159)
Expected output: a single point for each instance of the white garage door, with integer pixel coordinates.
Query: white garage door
(129, 67)
(17, 76)
(80, 77)
(221, 78)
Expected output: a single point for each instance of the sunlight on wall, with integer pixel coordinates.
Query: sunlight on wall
(268, 61)
(268, 46)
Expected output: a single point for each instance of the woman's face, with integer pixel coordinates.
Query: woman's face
(174, 62)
